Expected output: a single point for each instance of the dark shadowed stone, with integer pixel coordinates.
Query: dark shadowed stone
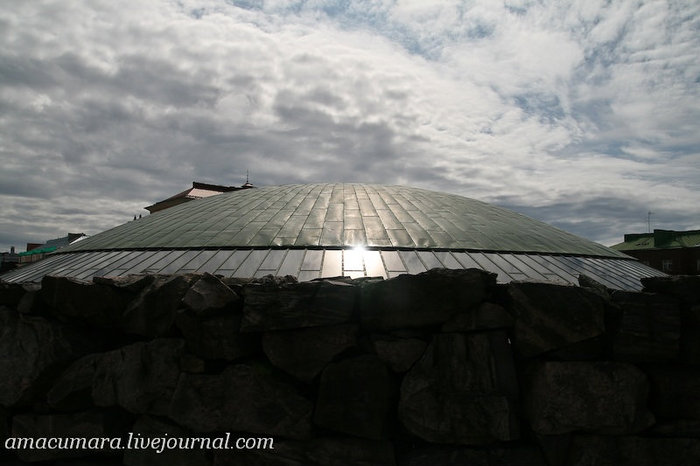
(398, 353)
(4, 425)
(461, 456)
(685, 288)
(304, 352)
(209, 295)
(152, 312)
(147, 427)
(242, 398)
(11, 293)
(604, 397)
(32, 302)
(32, 351)
(690, 335)
(285, 453)
(140, 377)
(349, 451)
(633, 451)
(462, 390)
(428, 298)
(486, 316)
(355, 397)
(686, 428)
(649, 329)
(584, 281)
(593, 349)
(128, 284)
(70, 299)
(216, 337)
(331, 451)
(550, 316)
(94, 425)
(270, 306)
(72, 390)
(675, 391)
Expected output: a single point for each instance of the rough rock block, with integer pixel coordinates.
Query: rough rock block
(675, 391)
(216, 337)
(649, 329)
(685, 288)
(690, 335)
(304, 352)
(75, 300)
(399, 353)
(603, 397)
(485, 317)
(633, 451)
(140, 378)
(428, 298)
(355, 397)
(242, 398)
(152, 312)
(209, 295)
(462, 390)
(458, 456)
(11, 293)
(33, 350)
(550, 316)
(72, 390)
(270, 306)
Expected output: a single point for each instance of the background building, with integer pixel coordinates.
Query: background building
(672, 252)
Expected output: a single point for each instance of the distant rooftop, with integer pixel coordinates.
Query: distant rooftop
(197, 191)
(659, 239)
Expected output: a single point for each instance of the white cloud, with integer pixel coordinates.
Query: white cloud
(107, 107)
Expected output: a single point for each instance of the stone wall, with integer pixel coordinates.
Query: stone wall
(441, 368)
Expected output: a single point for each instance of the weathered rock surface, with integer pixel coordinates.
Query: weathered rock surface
(11, 293)
(209, 295)
(458, 456)
(270, 306)
(33, 350)
(140, 378)
(686, 288)
(550, 316)
(72, 390)
(429, 298)
(78, 301)
(690, 335)
(95, 425)
(603, 397)
(354, 397)
(242, 398)
(649, 329)
(486, 316)
(304, 352)
(633, 451)
(675, 391)
(218, 336)
(399, 353)
(152, 312)
(147, 427)
(462, 390)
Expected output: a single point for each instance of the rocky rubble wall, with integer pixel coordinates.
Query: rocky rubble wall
(442, 368)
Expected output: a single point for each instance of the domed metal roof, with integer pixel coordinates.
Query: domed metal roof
(342, 215)
(317, 230)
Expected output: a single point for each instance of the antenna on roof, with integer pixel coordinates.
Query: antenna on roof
(649, 214)
(246, 177)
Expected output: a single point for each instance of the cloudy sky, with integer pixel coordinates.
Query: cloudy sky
(583, 114)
